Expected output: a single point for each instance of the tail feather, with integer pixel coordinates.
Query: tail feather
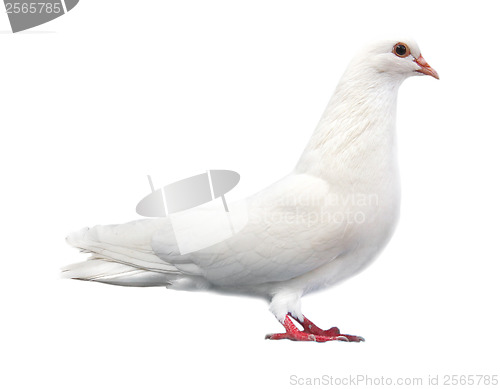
(123, 249)
(121, 255)
(115, 274)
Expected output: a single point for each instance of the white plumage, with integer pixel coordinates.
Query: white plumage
(322, 223)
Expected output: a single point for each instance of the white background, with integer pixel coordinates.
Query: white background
(93, 101)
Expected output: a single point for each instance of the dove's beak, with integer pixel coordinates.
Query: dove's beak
(425, 68)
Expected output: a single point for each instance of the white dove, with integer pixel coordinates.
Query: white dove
(324, 222)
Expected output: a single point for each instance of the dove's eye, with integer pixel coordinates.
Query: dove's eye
(401, 50)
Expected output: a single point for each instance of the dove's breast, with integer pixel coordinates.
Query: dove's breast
(369, 215)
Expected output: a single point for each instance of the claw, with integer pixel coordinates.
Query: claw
(312, 333)
(342, 338)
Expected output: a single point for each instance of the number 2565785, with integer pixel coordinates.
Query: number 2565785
(33, 8)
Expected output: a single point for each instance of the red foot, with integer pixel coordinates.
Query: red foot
(312, 333)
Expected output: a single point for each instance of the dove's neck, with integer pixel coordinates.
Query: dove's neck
(355, 138)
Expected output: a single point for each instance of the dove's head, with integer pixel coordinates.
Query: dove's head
(400, 59)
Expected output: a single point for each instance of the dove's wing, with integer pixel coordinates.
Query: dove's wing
(280, 233)
(288, 232)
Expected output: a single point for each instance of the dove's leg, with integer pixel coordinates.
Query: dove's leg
(293, 333)
(313, 333)
(311, 328)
